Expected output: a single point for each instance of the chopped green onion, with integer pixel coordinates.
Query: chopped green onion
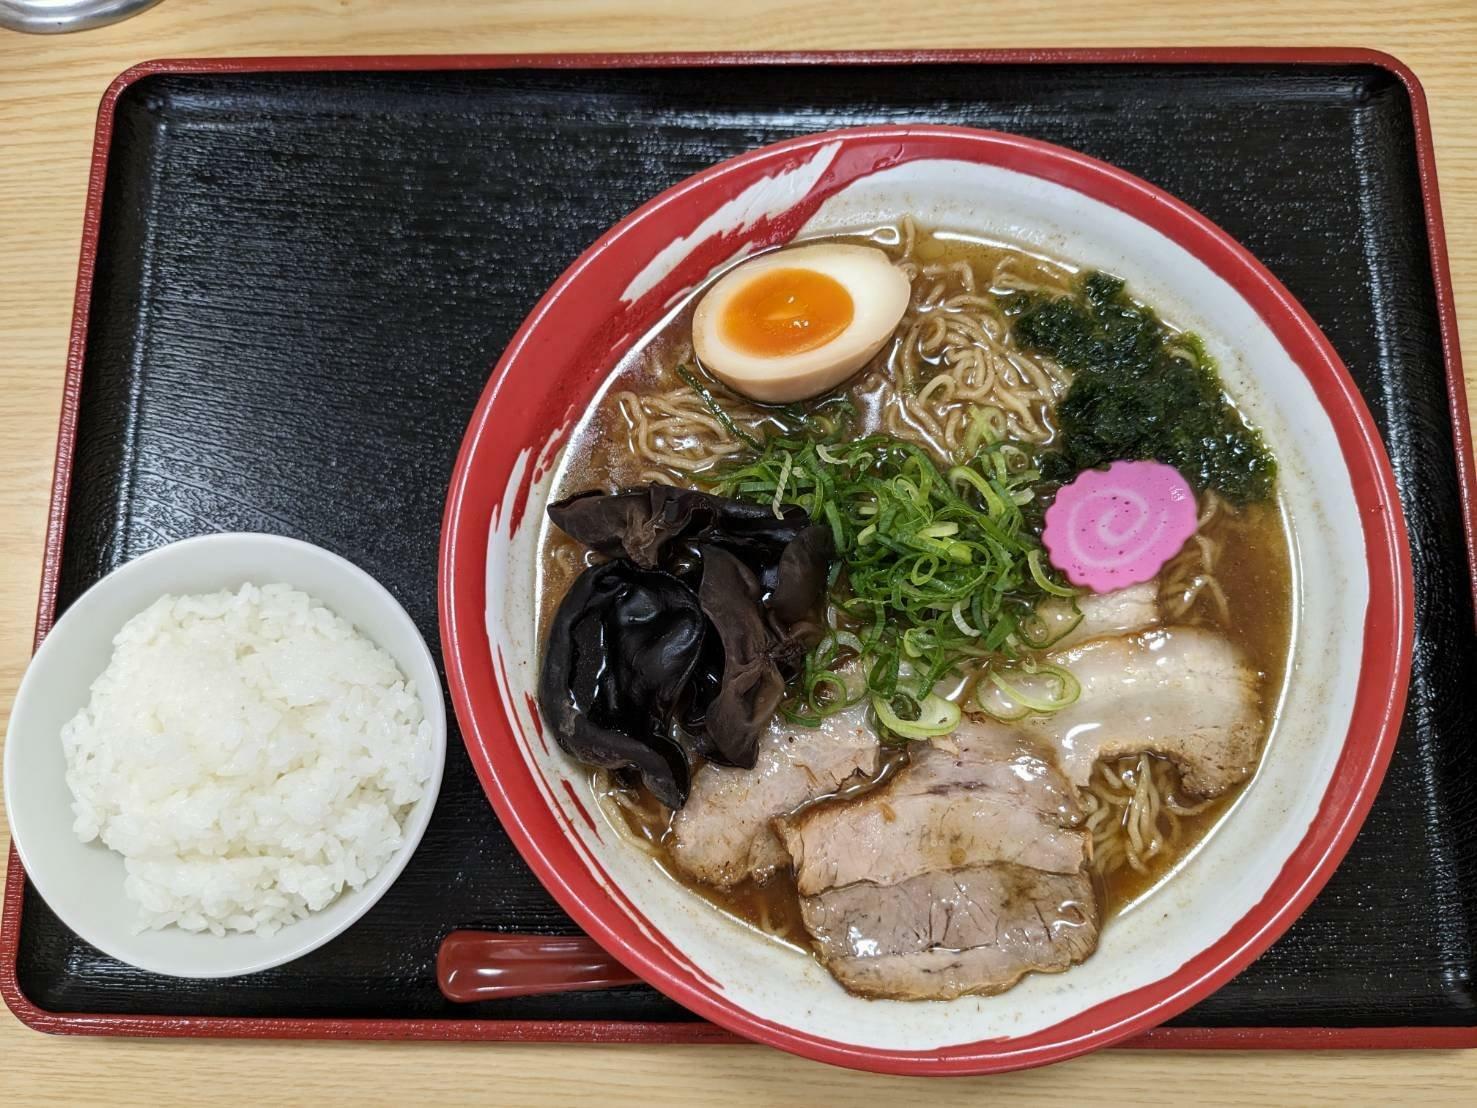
(1068, 689)
(1053, 620)
(833, 517)
(940, 530)
(936, 716)
(986, 426)
(1005, 712)
(1033, 559)
(829, 680)
(690, 379)
(779, 487)
(937, 568)
(994, 505)
(959, 621)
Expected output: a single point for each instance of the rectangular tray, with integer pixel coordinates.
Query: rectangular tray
(295, 274)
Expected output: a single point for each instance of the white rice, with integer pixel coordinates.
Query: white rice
(250, 754)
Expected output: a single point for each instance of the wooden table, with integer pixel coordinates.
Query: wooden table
(49, 89)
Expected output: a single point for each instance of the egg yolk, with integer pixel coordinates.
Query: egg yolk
(786, 311)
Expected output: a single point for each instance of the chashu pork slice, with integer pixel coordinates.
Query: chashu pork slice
(722, 835)
(1184, 693)
(986, 794)
(1120, 612)
(965, 871)
(943, 934)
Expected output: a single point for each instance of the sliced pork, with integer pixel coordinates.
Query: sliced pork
(947, 933)
(722, 835)
(1184, 693)
(985, 795)
(963, 872)
(1120, 612)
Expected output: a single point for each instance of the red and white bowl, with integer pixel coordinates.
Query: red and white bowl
(1335, 724)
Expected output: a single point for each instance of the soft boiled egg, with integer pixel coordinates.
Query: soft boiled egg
(796, 323)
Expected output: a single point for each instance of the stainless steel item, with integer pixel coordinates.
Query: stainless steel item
(52, 17)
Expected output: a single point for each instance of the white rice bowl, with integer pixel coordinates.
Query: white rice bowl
(250, 754)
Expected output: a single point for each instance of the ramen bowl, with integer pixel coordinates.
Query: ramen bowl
(1333, 726)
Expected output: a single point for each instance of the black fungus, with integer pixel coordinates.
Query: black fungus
(660, 525)
(797, 597)
(621, 651)
(757, 658)
(682, 645)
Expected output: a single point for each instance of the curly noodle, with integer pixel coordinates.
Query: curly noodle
(1188, 581)
(951, 357)
(1133, 811)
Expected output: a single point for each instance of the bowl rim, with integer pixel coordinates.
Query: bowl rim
(274, 952)
(609, 917)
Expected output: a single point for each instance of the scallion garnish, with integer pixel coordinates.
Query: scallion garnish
(937, 570)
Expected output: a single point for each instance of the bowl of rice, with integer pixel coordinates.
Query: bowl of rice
(223, 754)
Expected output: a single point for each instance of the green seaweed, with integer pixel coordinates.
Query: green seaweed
(1140, 390)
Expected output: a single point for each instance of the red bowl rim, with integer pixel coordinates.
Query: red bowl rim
(1379, 697)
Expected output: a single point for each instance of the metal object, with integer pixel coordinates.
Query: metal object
(53, 17)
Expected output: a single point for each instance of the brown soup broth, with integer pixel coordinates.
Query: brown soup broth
(1253, 566)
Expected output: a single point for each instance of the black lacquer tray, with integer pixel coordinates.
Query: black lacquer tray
(297, 272)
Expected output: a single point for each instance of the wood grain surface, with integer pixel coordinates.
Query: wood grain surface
(49, 89)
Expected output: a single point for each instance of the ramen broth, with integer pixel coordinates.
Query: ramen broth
(1250, 603)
